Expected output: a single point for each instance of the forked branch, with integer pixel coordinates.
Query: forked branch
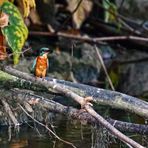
(64, 91)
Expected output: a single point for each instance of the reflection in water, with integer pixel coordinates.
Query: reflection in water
(35, 136)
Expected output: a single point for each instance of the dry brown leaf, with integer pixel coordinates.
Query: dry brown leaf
(1, 2)
(32, 3)
(81, 13)
(3, 53)
(34, 17)
(4, 19)
(25, 6)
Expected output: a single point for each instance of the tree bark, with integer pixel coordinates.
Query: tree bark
(9, 112)
(82, 101)
(100, 96)
(50, 105)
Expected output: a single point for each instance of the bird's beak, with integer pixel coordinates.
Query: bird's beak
(46, 53)
(50, 51)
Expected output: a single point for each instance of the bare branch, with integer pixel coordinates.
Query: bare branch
(100, 96)
(88, 39)
(104, 68)
(45, 127)
(50, 105)
(81, 101)
(10, 113)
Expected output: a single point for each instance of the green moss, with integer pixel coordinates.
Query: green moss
(5, 76)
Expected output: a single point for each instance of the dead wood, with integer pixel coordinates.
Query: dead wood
(84, 117)
(64, 91)
(9, 112)
(90, 39)
(100, 96)
(106, 97)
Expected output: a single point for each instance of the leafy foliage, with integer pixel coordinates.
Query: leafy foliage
(16, 32)
(26, 6)
(111, 11)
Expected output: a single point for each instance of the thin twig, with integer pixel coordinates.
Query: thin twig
(48, 104)
(9, 131)
(90, 39)
(82, 101)
(22, 52)
(114, 131)
(104, 68)
(46, 127)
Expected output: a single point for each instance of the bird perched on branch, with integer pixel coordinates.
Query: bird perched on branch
(40, 64)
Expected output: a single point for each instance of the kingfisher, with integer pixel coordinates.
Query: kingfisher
(40, 64)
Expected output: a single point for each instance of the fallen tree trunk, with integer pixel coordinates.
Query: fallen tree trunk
(50, 105)
(100, 96)
(106, 97)
(9, 81)
(82, 101)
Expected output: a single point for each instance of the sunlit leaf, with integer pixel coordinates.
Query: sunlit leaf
(15, 17)
(16, 32)
(15, 40)
(111, 11)
(27, 5)
(82, 11)
(32, 3)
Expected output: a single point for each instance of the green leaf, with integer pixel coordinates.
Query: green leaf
(15, 40)
(14, 14)
(13, 36)
(111, 11)
(16, 32)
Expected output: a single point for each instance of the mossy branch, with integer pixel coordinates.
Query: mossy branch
(100, 96)
(82, 101)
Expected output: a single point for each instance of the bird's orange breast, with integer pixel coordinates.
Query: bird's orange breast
(41, 66)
